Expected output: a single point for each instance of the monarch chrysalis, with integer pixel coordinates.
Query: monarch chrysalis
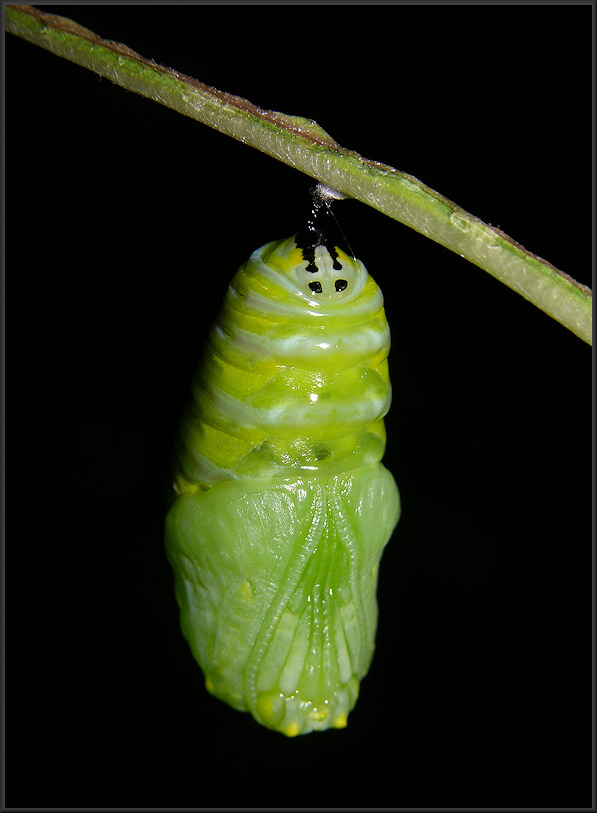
(283, 506)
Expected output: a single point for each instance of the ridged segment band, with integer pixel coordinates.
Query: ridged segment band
(292, 380)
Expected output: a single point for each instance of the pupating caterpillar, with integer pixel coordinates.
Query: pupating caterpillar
(283, 506)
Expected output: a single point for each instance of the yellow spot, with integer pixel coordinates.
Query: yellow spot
(292, 729)
(209, 685)
(245, 591)
(265, 707)
(318, 715)
(296, 257)
(353, 690)
(271, 708)
(183, 486)
(340, 721)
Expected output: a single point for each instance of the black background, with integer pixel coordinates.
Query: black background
(124, 224)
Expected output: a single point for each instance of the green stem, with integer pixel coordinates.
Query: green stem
(301, 143)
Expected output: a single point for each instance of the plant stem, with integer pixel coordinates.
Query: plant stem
(301, 143)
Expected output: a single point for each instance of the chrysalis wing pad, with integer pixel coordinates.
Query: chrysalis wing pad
(277, 587)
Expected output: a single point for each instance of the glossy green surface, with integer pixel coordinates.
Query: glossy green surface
(277, 583)
(284, 507)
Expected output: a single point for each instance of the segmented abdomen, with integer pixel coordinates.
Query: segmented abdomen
(289, 383)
